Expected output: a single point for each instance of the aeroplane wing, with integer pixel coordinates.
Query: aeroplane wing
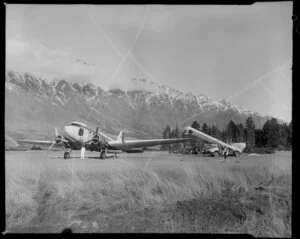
(128, 144)
(41, 142)
(36, 142)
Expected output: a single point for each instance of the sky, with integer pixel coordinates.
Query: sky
(240, 53)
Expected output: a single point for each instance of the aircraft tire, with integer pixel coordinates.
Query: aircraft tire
(66, 155)
(102, 155)
(216, 154)
(237, 153)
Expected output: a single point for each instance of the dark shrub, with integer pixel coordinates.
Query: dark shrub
(36, 148)
(259, 150)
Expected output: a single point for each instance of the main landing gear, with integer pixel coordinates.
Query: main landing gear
(103, 154)
(67, 154)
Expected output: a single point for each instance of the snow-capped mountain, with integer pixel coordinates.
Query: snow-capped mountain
(35, 105)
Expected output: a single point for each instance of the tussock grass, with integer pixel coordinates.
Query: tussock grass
(252, 197)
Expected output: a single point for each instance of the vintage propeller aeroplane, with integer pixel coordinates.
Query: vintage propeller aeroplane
(237, 148)
(78, 134)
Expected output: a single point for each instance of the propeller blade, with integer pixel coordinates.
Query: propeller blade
(97, 130)
(53, 142)
(56, 132)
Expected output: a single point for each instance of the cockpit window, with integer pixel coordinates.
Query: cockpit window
(78, 124)
(80, 132)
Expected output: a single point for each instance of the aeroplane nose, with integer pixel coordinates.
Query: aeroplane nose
(68, 130)
(186, 130)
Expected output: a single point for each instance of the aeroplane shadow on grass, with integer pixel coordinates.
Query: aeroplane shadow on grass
(87, 157)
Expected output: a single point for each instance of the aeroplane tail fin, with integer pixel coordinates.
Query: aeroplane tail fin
(121, 137)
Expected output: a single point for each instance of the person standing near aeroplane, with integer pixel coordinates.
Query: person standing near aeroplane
(82, 151)
(225, 152)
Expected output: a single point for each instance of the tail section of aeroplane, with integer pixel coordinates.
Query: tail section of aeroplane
(121, 137)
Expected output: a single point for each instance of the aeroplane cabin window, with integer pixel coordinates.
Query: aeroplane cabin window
(80, 132)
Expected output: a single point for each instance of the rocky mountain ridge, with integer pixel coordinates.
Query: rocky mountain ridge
(34, 105)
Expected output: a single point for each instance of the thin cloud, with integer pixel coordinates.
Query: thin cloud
(32, 57)
(255, 82)
(133, 44)
(273, 95)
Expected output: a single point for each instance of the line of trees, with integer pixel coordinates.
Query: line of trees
(273, 134)
(168, 133)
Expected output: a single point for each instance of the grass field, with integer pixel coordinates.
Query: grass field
(149, 192)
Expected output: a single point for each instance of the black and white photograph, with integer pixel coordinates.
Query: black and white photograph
(149, 118)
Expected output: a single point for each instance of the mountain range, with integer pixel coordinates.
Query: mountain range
(34, 106)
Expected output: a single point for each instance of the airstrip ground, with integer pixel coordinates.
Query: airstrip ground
(148, 192)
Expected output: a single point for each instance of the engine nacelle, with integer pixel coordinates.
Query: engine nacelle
(58, 139)
(96, 138)
(97, 146)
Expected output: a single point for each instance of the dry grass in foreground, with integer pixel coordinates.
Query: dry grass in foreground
(195, 196)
